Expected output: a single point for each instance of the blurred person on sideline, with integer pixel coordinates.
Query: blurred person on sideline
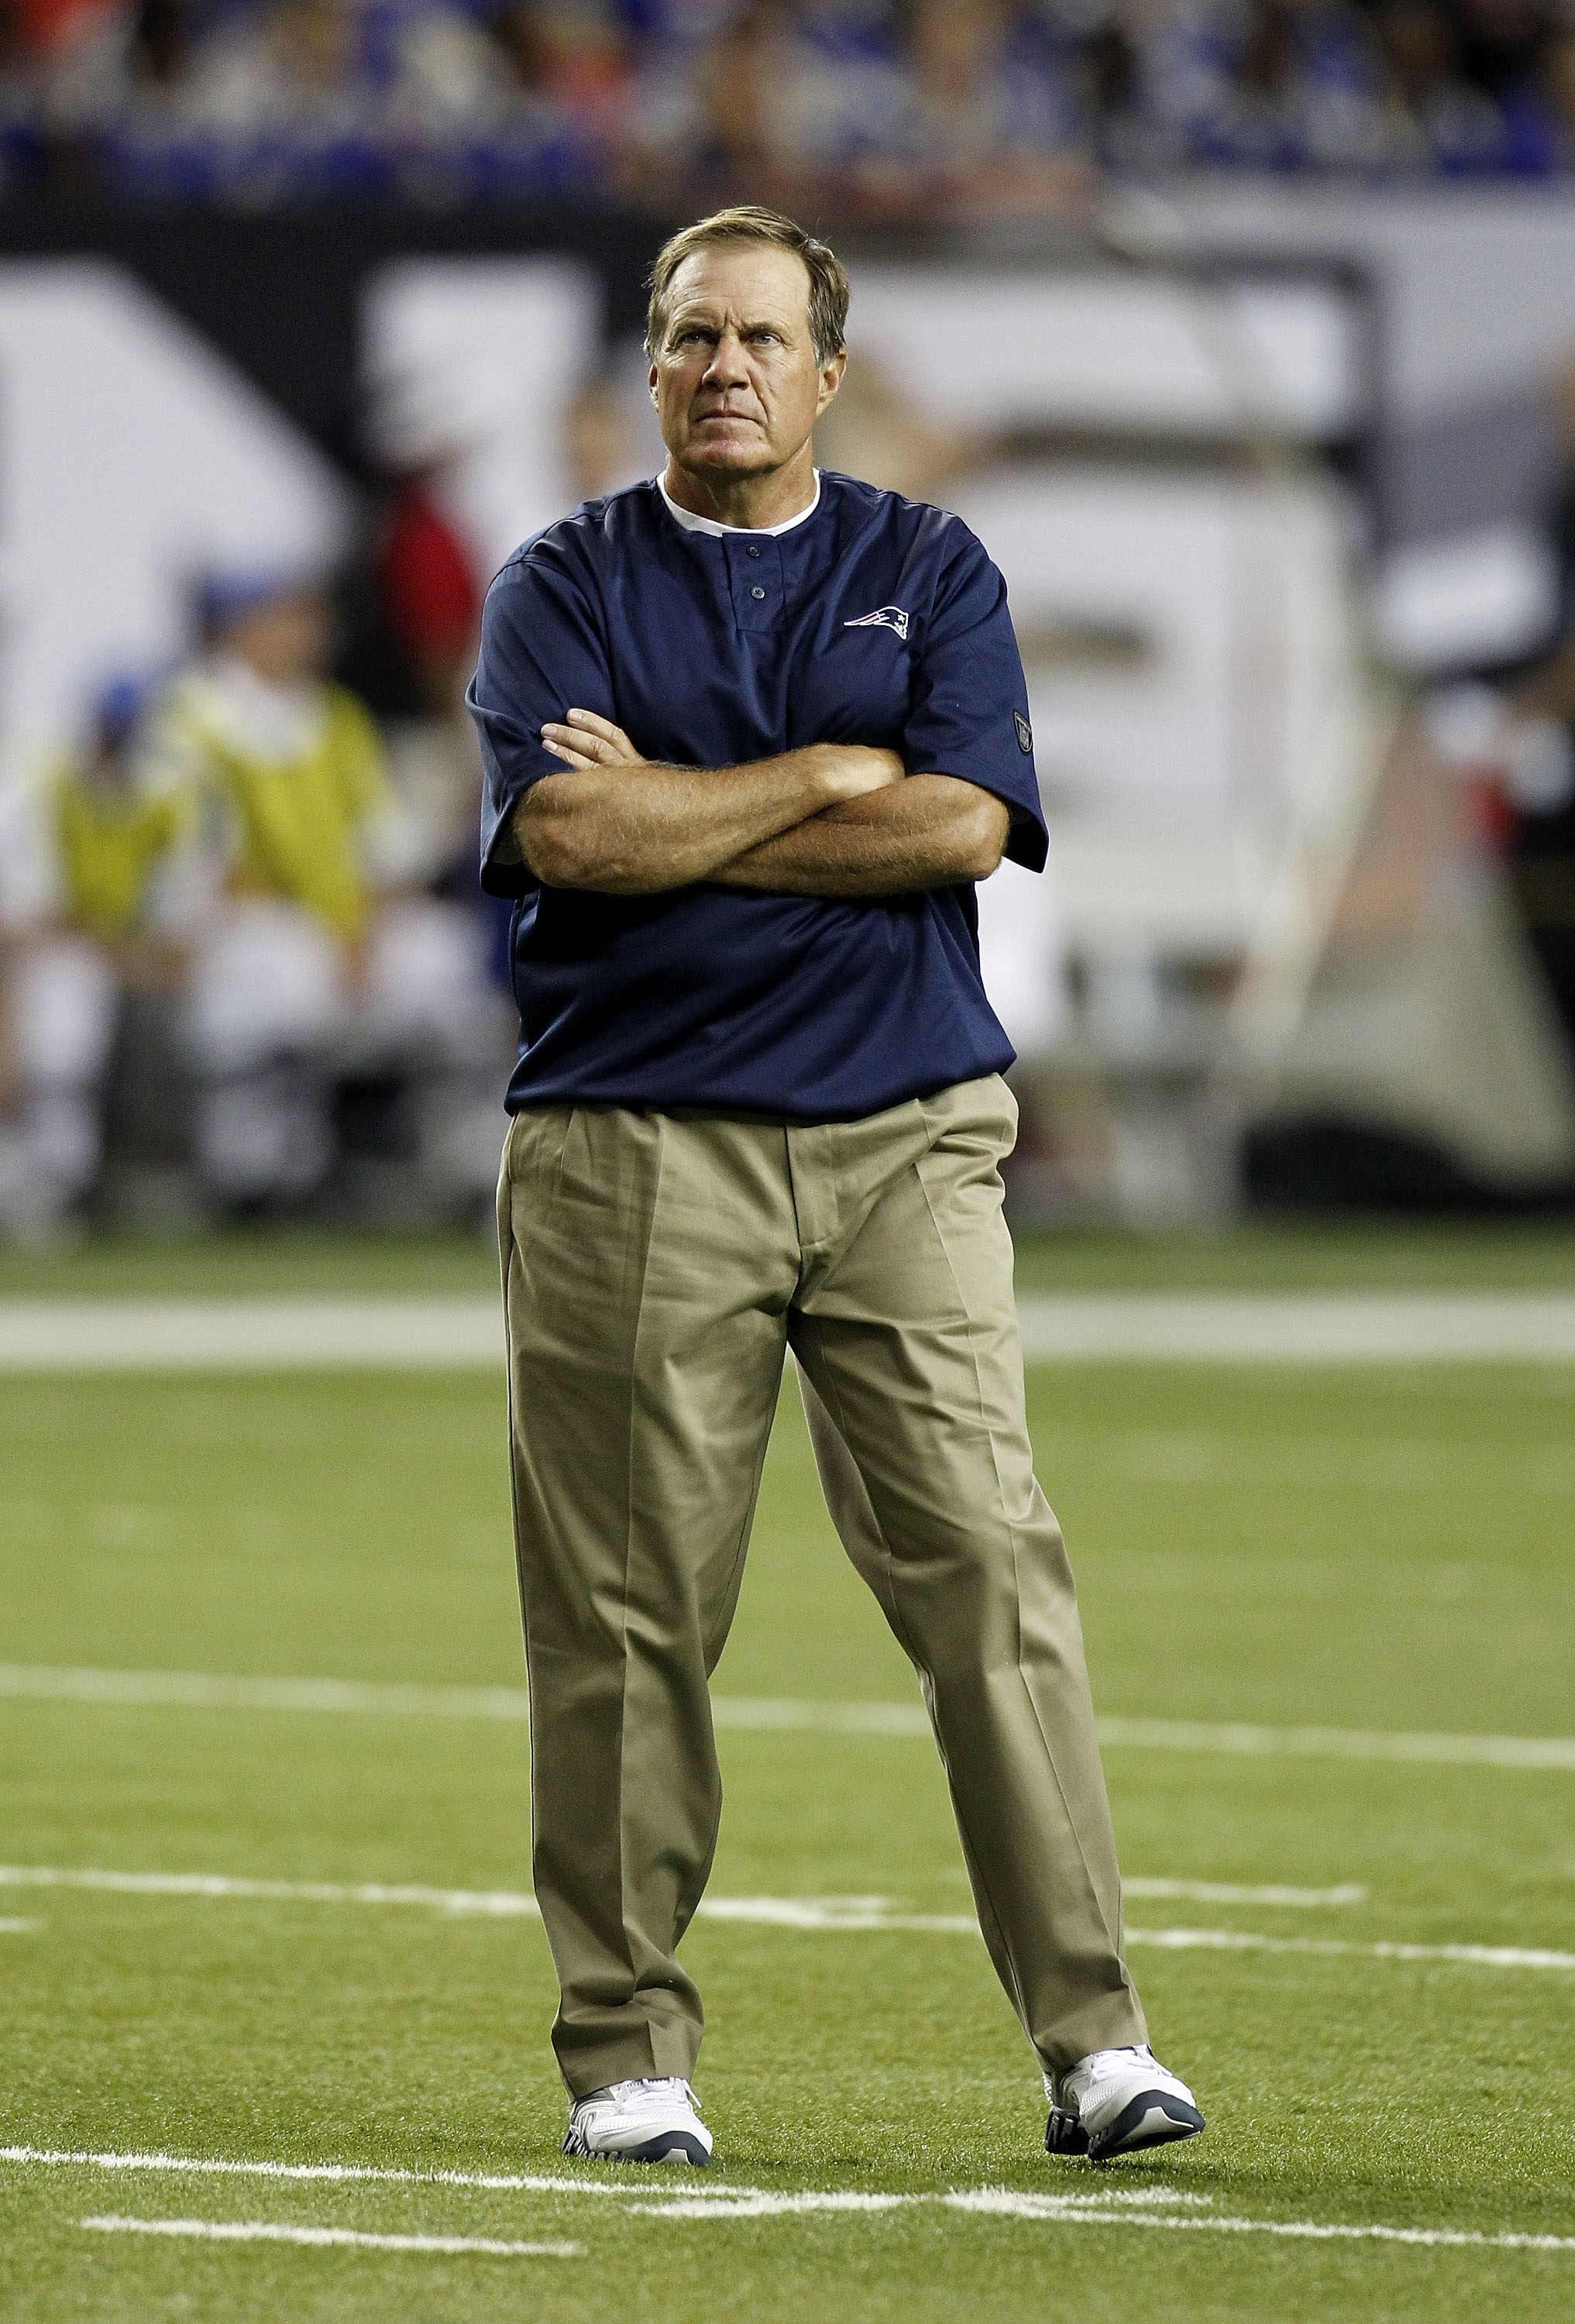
(521, 97)
(1110, 56)
(1501, 43)
(1430, 117)
(82, 847)
(280, 102)
(876, 431)
(758, 1107)
(424, 571)
(121, 91)
(976, 114)
(289, 885)
(1281, 85)
(603, 442)
(576, 52)
(414, 598)
(752, 110)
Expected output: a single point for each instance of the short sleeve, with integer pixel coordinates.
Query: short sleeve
(969, 714)
(542, 653)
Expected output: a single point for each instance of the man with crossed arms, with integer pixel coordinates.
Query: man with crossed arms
(750, 734)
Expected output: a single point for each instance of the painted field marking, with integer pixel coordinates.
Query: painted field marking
(506, 1904)
(1233, 1892)
(332, 2175)
(1313, 1327)
(1226, 1940)
(212, 1691)
(844, 1914)
(1253, 1742)
(466, 1333)
(1151, 2208)
(228, 1335)
(754, 2203)
(1005, 2202)
(15, 1928)
(264, 2231)
(207, 1690)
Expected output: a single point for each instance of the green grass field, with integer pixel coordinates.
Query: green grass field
(1374, 1549)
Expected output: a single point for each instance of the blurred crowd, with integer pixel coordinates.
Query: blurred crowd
(243, 951)
(886, 109)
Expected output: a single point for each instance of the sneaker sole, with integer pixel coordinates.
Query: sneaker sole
(1153, 2118)
(668, 2146)
(1063, 2133)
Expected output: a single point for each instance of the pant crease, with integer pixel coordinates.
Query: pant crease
(1112, 1936)
(633, 1415)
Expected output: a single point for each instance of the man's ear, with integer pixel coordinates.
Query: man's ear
(830, 378)
(651, 380)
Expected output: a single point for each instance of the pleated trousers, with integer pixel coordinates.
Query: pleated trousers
(658, 1269)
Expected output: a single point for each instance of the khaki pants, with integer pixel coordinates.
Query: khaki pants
(656, 1270)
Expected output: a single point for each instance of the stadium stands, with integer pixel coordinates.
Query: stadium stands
(886, 110)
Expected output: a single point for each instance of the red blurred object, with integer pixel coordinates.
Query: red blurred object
(41, 26)
(427, 584)
(1488, 813)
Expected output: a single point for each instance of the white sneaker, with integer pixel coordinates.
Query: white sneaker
(1115, 2101)
(651, 2121)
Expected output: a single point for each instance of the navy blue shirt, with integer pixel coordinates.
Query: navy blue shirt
(874, 620)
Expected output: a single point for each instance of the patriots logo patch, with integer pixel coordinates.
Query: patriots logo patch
(1025, 733)
(884, 617)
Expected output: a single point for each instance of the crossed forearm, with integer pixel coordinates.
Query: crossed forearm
(930, 831)
(627, 826)
(832, 819)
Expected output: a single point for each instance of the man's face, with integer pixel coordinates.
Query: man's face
(737, 384)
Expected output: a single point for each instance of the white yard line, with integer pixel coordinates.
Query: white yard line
(507, 1904)
(161, 1335)
(1519, 1751)
(1233, 1892)
(265, 2231)
(436, 1334)
(1313, 1327)
(212, 1691)
(209, 1691)
(851, 1915)
(1342, 1948)
(332, 2175)
(1082, 2204)
(1013, 2206)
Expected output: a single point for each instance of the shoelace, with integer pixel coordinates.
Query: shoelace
(647, 2089)
(1115, 2062)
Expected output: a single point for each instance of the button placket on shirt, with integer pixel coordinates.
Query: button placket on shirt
(754, 571)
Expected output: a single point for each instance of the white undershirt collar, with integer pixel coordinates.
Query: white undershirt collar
(692, 523)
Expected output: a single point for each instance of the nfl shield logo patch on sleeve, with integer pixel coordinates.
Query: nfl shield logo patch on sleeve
(1025, 733)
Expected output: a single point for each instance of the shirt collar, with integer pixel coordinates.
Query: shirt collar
(692, 523)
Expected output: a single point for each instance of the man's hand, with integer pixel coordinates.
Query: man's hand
(621, 824)
(584, 741)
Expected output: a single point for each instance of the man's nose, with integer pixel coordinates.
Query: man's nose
(727, 367)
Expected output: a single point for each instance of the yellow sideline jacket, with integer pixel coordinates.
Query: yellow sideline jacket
(297, 807)
(110, 843)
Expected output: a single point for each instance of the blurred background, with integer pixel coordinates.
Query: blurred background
(1243, 333)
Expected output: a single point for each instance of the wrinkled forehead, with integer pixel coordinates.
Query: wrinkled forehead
(737, 282)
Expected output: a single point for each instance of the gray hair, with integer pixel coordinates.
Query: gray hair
(752, 222)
